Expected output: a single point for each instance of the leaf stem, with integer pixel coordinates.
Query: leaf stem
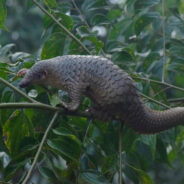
(164, 40)
(62, 27)
(87, 130)
(155, 101)
(120, 152)
(40, 148)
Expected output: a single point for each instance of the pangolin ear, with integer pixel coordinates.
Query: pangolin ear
(22, 72)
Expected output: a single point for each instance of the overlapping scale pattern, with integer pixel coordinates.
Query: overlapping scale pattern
(111, 90)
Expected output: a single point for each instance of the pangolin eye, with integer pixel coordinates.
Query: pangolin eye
(39, 76)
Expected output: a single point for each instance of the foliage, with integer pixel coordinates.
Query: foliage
(132, 34)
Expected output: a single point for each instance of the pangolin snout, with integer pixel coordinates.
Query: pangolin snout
(23, 83)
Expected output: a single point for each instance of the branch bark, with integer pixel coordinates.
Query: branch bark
(158, 82)
(42, 106)
(120, 152)
(17, 90)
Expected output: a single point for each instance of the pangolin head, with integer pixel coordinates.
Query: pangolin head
(36, 75)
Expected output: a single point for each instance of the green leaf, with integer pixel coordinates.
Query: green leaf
(144, 178)
(83, 31)
(143, 4)
(7, 48)
(15, 129)
(66, 146)
(54, 100)
(75, 48)
(54, 46)
(120, 28)
(62, 131)
(161, 153)
(65, 20)
(99, 19)
(94, 177)
(47, 22)
(88, 5)
(97, 43)
(50, 3)
(65, 132)
(114, 14)
(48, 174)
(12, 170)
(3, 14)
(151, 141)
(127, 140)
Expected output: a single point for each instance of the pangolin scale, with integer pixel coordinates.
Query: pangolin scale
(111, 90)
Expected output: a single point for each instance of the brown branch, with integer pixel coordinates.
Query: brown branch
(158, 82)
(42, 106)
(40, 148)
(17, 90)
(155, 101)
(120, 153)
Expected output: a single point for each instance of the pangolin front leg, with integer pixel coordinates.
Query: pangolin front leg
(75, 97)
(75, 91)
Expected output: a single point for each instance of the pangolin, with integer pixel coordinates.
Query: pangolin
(112, 91)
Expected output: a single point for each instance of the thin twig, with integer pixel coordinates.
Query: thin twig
(161, 91)
(176, 100)
(84, 139)
(83, 19)
(40, 148)
(80, 13)
(17, 90)
(87, 130)
(2, 182)
(164, 39)
(120, 153)
(62, 27)
(155, 101)
(159, 82)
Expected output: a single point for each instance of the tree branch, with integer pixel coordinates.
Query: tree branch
(40, 148)
(155, 101)
(62, 27)
(42, 106)
(158, 82)
(120, 152)
(17, 90)
(164, 40)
